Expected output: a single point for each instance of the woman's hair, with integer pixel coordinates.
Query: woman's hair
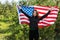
(36, 12)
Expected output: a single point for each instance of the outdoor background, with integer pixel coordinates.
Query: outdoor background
(10, 29)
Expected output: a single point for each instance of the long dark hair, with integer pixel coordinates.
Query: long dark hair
(36, 13)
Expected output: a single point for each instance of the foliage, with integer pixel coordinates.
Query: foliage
(10, 29)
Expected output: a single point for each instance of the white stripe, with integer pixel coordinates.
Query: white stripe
(47, 11)
(41, 14)
(52, 15)
(19, 18)
(55, 8)
(42, 11)
(25, 20)
(24, 17)
(21, 14)
(48, 19)
(54, 12)
(48, 15)
(42, 7)
(47, 22)
(42, 24)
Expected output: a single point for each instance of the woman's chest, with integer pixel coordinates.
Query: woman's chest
(33, 19)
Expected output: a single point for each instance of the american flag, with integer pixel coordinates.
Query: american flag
(42, 10)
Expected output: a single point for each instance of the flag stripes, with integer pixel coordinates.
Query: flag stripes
(42, 10)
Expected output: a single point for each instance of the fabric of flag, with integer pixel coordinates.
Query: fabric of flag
(28, 10)
(42, 10)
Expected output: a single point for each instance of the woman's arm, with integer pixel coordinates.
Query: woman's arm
(24, 13)
(20, 9)
(45, 15)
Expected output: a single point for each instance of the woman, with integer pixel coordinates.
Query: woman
(33, 32)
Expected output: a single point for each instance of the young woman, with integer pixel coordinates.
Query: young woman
(33, 32)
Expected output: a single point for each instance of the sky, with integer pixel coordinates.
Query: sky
(3, 1)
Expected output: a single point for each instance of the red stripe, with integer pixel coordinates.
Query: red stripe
(22, 15)
(23, 22)
(45, 24)
(53, 13)
(54, 10)
(40, 26)
(42, 23)
(50, 20)
(41, 12)
(51, 17)
(48, 25)
(40, 8)
(24, 19)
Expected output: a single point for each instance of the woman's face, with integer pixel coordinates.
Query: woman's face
(35, 13)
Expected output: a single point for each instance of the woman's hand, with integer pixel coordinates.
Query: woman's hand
(19, 6)
(52, 8)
